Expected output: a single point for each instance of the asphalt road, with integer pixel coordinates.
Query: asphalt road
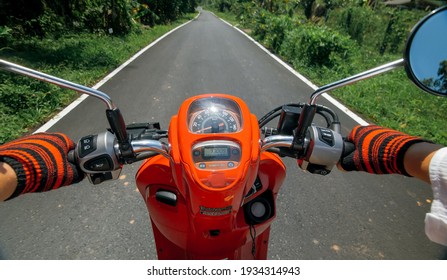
(339, 216)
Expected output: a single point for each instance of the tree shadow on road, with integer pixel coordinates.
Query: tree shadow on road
(1, 255)
(442, 257)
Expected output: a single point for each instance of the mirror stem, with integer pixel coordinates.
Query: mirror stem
(15, 68)
(114, 115)
(350, 80)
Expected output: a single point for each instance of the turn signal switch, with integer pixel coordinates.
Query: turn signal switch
(323, 152)
(96, 156)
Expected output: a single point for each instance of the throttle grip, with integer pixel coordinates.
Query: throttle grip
(348, 148)
(71, 157)
(347, 154)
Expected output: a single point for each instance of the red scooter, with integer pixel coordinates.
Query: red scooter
(211, 188)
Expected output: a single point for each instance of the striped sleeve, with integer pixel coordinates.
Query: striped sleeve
(381, 150)
(40, 162)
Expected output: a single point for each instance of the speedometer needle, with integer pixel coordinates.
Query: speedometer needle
(210, 128)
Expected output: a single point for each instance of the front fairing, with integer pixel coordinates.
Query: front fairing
(208, 219)
(216, 181)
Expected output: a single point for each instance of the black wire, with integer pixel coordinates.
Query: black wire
(267, 120)
(262, 121)
(253, 238)
(328, 114)
(328, 110)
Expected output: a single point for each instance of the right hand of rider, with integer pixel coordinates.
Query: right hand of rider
(378, 150)
(40, 162)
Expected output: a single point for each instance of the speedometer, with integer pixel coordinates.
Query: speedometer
(214, 121)
(214, 115)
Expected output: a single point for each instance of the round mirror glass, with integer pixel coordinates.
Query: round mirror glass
(427, 53)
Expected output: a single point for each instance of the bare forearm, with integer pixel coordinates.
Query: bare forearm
(417, 160)
(8, 181)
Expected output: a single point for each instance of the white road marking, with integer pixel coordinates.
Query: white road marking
(329, 98)
(78, 101)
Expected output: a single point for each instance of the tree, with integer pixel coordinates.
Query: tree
(53, 17)
(162, 11)
(441, 82)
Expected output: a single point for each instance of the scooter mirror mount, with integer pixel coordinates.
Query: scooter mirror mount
(114, 116)
(425, 60)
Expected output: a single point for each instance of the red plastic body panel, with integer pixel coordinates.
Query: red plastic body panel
(207, 220)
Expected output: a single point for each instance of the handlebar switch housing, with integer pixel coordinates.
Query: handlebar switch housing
(97, 157)
(323, 152)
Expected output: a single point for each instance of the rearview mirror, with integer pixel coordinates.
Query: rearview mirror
(426, 53)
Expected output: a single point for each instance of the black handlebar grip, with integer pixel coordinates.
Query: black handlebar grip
(348, 148)
(71, 157)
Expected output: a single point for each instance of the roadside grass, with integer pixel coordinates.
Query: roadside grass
(229, 17)
(389, 100)
(82, 58)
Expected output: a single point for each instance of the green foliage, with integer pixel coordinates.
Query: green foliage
(276, 29)
(398, 28)
(394, 101)
(362, 23)
(118, 17)
(5, 35)
(24, 101)
(144, 14)
(48, 18)
(67, 39)
(380, 29)
(260, 24)
(224, 5)
(306, 5)
(350, 37)
(245, 13)
(312, 45)
(82, 58)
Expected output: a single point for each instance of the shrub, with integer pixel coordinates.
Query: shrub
(382, 29)
(363, 24)
(399, 26)
(5, 36)
(245, 13)
(276, 28)
(260, 24)
(312, 45)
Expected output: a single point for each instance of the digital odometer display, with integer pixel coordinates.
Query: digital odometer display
(216, 152)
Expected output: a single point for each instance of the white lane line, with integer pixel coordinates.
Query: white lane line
(329, 98)
(78, 101)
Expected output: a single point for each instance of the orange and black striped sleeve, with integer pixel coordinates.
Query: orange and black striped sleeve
(378, 150)
(40, 162)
